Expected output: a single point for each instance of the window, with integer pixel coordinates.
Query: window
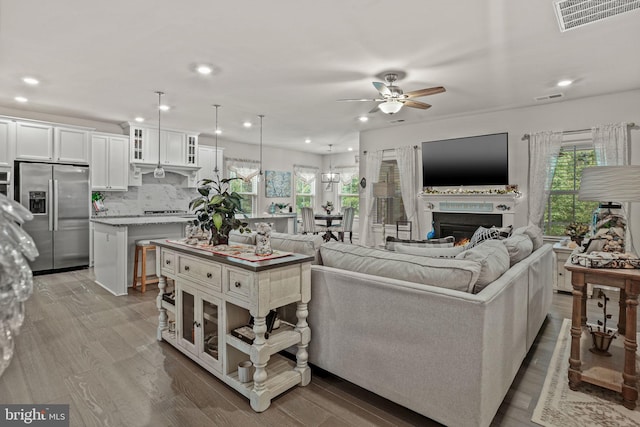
(389, 210)
(247, 189)
(348, 194)
(305, 193)
(563, 206)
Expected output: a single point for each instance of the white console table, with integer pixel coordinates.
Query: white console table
(215, 295)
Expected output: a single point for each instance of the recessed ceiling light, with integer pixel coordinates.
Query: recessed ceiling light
(247, 124)
(307, 141)
(350, 148)
(164, 107)
(564, 83)
(363, 119)
(31, 81)
(139, 119)
(204, 69)
(218, 131)
(20, 99)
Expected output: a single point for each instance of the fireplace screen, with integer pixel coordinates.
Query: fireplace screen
(463, 225)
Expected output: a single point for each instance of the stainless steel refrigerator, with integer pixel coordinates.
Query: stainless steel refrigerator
(59, 197)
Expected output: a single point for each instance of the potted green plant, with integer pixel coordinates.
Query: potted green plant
(576, 231)
(602, 337)
(216, 210)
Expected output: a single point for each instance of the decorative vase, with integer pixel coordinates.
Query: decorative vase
(263, 239)
(601, 343)
(272, 208)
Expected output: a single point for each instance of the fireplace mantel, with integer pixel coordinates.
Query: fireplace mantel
(480, 203)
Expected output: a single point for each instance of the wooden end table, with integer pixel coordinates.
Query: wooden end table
(596, 369)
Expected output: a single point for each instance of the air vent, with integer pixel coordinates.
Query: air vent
(548, 97)
(576, 13)
(396, 121)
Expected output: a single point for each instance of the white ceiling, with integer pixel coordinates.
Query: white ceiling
(291, 59)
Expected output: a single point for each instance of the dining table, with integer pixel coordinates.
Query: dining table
(328, 219)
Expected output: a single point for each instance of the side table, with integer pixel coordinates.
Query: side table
(562, 279)
(595, 369)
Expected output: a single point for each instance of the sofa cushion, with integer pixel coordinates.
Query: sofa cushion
(245, 238)
(519, 246)
(429, 251)
(446, 273)
(443, 242)
(534, 233)
(493, 258)
(306, 244)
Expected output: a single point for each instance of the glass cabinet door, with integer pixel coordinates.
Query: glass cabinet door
(188, 319)
(210, 335)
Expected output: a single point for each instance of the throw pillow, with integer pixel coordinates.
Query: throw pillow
(504, 232)
(519, 246)
(534, 233)
(443, 242)
(430, 252)
(493, 258)
(482, 234)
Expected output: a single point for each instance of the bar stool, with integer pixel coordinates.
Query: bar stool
(142, 246)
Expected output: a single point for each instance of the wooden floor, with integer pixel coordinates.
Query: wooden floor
(84, 347)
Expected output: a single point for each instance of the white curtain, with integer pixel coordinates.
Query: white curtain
(244, 169)
(306, 174)
(407, 158)
(347, 173)
(611, 144)
(373, 161)
(544, 148)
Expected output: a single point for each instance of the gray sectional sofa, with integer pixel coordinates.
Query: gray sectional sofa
(415, 332)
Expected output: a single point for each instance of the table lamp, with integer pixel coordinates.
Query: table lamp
(611, 184)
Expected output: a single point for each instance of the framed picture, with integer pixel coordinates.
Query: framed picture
(277, 184)
(329, 177)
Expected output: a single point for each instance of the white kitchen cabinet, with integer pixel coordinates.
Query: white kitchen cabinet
(45, 142)
(7, 131)
(177, 148)
(174, 148)
(192, 150)
(109, 162)
(207, 162)
(71, 145)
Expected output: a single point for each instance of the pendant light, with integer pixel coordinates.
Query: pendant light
(330, 177)
(217, 132)
(260, 173)
(158, 171)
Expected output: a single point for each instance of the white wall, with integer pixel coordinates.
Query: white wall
(566, 115)
(276, 159)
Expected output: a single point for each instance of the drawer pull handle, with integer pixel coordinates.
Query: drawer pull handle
(237, 284)
(196, 324)
(167, 262)
(186, 268)
(209, 275)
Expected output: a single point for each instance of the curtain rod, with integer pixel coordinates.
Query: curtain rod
(415, 147)
(571, 132)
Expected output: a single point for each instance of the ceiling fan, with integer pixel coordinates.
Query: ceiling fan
(393, 98)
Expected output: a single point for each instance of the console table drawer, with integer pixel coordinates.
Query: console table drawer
(237, 283)
(168, 262)
(206, 273)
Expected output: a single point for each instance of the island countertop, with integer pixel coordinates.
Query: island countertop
(141, 220)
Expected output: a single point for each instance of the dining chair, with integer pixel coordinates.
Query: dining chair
(308, 221)
(346, 225)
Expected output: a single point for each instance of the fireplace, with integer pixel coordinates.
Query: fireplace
(463, 225)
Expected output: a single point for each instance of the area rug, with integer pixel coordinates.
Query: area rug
(559, 406)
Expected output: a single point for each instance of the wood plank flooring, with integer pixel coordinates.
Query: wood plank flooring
(82, 346)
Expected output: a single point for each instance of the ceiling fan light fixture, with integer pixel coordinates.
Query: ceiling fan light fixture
(391, 106)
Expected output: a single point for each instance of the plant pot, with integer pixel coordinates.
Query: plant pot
(577, 239)
(601, 343)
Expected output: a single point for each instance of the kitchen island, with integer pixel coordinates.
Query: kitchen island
(114, 240)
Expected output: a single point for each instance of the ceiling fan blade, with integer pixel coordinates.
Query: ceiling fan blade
(382, 88)
(357, 100)
(416, 104)
(425, 92)
(374, 109)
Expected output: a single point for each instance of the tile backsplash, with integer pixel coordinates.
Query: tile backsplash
(169, 193)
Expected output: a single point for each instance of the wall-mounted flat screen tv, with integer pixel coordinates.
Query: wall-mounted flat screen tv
(474, 160)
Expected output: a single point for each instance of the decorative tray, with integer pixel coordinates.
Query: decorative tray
(605, 260)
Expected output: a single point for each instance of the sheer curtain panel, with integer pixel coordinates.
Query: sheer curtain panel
(544, 148)
(373, 161)
(407, 158)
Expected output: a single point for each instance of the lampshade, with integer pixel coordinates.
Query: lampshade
(391, 106)
(610, 184)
